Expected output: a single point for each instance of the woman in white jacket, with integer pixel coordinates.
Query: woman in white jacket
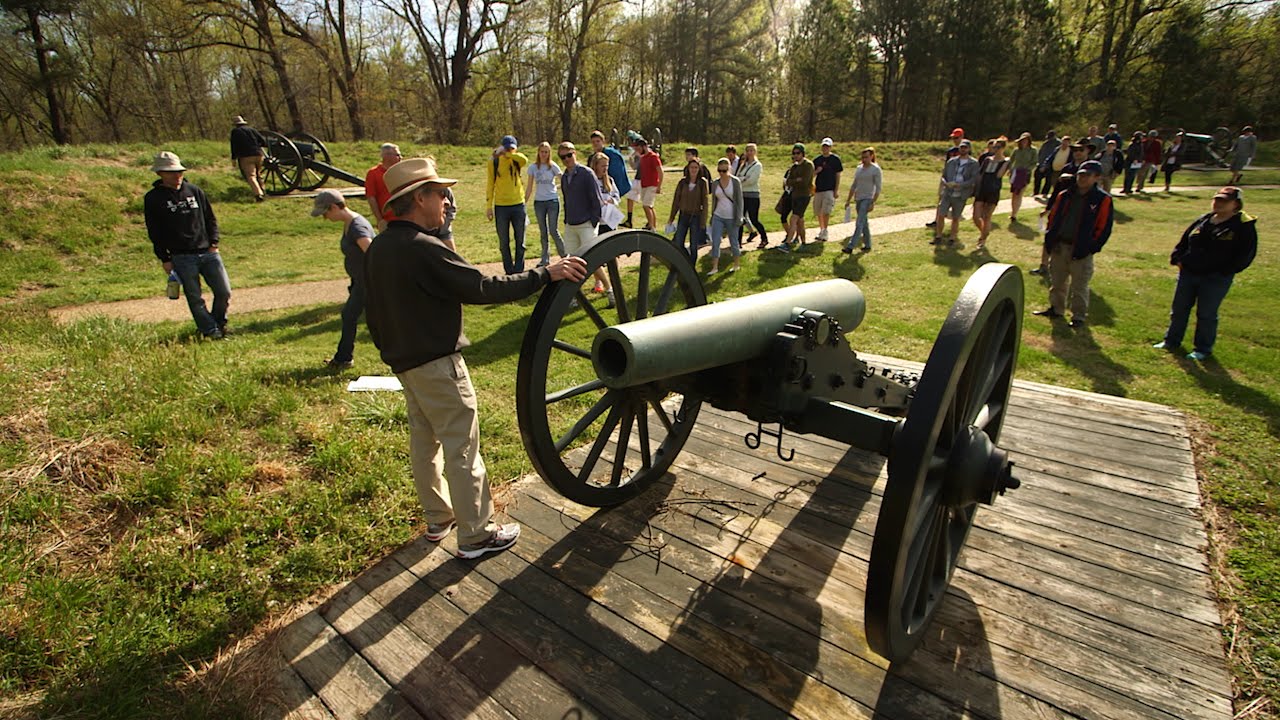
(726, 215)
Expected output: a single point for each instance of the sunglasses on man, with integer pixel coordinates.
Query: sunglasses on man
(565, 156)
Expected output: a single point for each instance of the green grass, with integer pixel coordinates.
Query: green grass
(163, 496)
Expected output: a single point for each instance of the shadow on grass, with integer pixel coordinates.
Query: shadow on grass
(848, 266)
(1022, 231)
(1078, 348)
(774, 263)
(958, 259)
(312, 321)
(1215, 379)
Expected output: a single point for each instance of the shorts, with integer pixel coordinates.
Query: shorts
(991, 197)
(646, 196)
(799, 203)
(1238, 163)
(952, 206)
(1021, 176)
(824, 201)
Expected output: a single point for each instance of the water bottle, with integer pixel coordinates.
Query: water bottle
(174, 288)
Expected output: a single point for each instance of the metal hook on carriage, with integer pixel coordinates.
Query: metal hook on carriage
(752, 439)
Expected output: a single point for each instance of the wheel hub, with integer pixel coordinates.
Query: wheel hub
(976, 470)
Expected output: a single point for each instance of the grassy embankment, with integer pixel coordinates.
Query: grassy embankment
(163, 495)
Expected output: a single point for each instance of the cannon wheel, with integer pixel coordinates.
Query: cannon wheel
(282, 166)
(312, 179)
(560, 400)
(942, 461)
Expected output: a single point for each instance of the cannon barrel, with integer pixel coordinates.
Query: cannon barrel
(710, 336)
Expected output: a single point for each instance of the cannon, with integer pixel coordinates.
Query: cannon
(298, 161)
(605, 404)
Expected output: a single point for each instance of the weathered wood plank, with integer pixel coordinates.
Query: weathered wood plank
(428, 680)
(349, 686)
(570, 662)
(290, 698)
(787, 577)
(1193, 602)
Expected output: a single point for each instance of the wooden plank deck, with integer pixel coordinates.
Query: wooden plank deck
(736, 591)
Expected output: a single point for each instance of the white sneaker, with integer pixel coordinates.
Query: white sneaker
(502, 538)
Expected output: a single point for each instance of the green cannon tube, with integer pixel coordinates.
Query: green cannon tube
(718, 334)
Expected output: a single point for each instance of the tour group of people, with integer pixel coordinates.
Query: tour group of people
(410, 283)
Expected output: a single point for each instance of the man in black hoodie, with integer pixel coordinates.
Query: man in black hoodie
(184, 235)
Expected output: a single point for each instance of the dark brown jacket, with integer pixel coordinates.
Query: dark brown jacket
(690, 202)
(415, 289)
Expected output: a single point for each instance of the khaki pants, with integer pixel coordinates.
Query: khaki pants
(251, 170)
(578, 236)
(444, 440)
(1069, 277)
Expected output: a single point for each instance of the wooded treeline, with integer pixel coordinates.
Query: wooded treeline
(469, 71)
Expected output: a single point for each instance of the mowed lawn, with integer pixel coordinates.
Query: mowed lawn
(163, 495)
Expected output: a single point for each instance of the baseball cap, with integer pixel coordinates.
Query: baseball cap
(797, 146)
(828, 142)
(326, 199)
(1090, 166)
(509, 142)
(965, 143)
(958, 132)
(1077, 146)
(1231, 192)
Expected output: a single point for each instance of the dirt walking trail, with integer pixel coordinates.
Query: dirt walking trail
(276, 297)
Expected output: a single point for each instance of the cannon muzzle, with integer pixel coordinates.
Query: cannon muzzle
(722, 333)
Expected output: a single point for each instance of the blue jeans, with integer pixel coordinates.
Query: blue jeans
(861, 228)
(688, 225)
(351, 312)
(1204, 292)
(510, 220)
(190, 268)
(721, 226)
(548, 214)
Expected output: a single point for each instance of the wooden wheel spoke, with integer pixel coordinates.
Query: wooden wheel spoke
(589, 464)
(921, 546)
(642, 293)
(988, 413)
(575, 391)
(619, 295)
(620, 457)
(661, 412)
(590, 311)
(664, 296)
(585, 421)
(571, 349)
(642, 427)
(928, 572)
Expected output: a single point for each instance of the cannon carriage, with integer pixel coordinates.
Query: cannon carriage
(606, 403)
(298, 161)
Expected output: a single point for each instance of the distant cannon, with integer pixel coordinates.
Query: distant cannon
(605, 407)
(1208, 149)
(298, 161)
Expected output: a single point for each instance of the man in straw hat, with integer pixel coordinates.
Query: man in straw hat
(416, 286)
(184, 236)
(247, 152)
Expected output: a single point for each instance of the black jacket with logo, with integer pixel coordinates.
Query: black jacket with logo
(179, 222)
(1227, 247)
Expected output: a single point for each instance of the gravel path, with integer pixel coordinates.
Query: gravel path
(276, 297)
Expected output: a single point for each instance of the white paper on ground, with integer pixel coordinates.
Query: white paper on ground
(375, 383)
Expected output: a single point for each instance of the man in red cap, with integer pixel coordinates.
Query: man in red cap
(416, 286)
(957, 136)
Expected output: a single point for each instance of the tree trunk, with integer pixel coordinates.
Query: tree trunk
(263, 18)
(57, 124)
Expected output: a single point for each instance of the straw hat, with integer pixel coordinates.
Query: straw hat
(408, 175)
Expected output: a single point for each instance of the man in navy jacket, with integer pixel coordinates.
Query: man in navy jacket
(1080, 220)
